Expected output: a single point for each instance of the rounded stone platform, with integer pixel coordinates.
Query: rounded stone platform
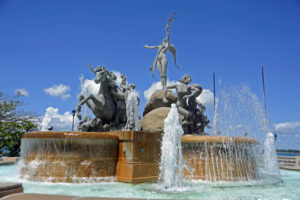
(8, 160)
(220, 158)
(10, 188)
(132, 157)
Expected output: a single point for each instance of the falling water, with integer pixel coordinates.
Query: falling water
(60, 159)
(45, 124)
(270, 159)
(240, 113)
(132, 111)
(172, 163)
(215, 119)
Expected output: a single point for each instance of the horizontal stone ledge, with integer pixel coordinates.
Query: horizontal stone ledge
(10, 188)
(66, 134)
(23, 196)
(217, 139)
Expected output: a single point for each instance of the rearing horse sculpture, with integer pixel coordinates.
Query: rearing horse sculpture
(102, 105)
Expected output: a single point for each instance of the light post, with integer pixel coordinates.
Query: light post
(73, 113)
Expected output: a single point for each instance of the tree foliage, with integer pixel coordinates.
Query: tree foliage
(13, 124)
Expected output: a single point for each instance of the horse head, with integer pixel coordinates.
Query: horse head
(101, 74)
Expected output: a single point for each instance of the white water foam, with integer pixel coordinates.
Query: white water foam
(132, 111)
(172, 163)
(240, 113)
(270, 159)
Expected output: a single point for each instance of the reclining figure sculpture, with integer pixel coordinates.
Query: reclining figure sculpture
(189, 106)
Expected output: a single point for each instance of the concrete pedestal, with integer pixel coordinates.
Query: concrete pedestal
(139, 157)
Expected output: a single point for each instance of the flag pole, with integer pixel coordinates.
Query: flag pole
(214, 85)
(264, 93)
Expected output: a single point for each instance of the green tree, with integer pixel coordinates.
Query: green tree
(13, 124)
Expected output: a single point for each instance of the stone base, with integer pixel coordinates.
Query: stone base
(139, 156)
(137, 172)
(10, 188)
(220, 158)
(132, 157)
(68, 156)
(58, 197)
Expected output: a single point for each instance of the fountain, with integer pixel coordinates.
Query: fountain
(172, 163)
(68, 156)
(270, 158)
(116, 146)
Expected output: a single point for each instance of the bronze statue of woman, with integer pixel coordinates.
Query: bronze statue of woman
(161, 58)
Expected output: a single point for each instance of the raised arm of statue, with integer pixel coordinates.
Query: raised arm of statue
(171, 18)
(151, 47)
(92, 68)
(196, 90)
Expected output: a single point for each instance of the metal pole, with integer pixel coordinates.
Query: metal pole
(214, 85)
(73, 113)
(264, 91)
(73, 124)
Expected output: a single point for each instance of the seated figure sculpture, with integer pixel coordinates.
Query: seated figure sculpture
(189, 106)
(123, 83)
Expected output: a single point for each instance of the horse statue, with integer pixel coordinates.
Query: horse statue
(105, 105)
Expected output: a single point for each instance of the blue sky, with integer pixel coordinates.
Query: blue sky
(46, 43)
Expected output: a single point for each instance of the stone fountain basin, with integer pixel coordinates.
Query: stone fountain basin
(131, 156)
(68, 156)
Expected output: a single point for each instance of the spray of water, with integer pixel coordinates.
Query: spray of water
(215, 120)
(132, 111)
(45, 124)
(172, 163)
(240, 113)
(270, 159)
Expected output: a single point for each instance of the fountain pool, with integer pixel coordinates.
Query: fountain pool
(268, 187)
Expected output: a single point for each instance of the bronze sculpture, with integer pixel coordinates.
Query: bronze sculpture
(161, 58)
(108, 105)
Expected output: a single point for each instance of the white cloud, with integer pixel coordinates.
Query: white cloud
(58, 91)
(65, 96)
(22, 92)
(59, 122)
(88, 86)
(152, 89)
(286, 127)
(155, 86)
(206, 97)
